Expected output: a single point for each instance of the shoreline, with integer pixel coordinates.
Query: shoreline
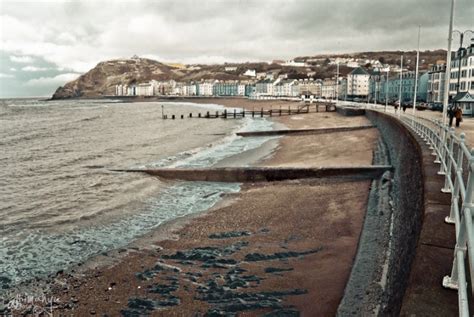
(38, 286)
(172, 235)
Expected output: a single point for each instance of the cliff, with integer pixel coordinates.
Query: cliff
(101, 80)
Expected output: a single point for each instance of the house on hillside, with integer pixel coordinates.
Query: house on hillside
(250, 73)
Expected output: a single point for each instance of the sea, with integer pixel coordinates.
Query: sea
(61, 203)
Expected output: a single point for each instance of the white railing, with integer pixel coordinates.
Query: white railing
(457, 165)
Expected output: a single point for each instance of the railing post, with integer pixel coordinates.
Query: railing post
(470, 244)
(451, 219)
(449, 163)
(444, 139)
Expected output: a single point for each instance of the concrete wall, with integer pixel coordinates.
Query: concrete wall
(407, 191)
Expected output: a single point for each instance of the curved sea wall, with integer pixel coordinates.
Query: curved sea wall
(392, 226)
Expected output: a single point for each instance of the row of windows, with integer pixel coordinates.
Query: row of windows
(463, 85)
(464, 62)
(464, 73)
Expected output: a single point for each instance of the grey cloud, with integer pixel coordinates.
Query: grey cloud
(74, 35)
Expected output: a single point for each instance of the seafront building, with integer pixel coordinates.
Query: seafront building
(390, 90)
(310, 87)
(436, 74)
(286, 88)
(462, 71)
(264, 87)
(205, 88)
(358, 83)
(328, 88)
(461, 80)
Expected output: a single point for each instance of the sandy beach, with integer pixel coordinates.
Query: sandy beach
(282, 248)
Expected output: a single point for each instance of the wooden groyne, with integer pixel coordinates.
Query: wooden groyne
(303, 131)
(242, 113)
(264, 174)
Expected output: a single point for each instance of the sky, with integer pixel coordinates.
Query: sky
(44, 44)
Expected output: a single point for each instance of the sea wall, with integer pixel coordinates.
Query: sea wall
(393, 222)
(350, 111)
(265, 174)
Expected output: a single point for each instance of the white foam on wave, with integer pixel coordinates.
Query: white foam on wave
(42, 253)
(226, 147)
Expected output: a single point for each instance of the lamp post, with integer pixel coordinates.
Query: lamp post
(400, 91)
(416, 71)
(448, 66)
(386, 89)
(337, 82)
(375, 92)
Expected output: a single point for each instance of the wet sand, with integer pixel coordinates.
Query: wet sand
(283, 247)
(353, 148)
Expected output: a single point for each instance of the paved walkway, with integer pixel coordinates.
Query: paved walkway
(425, 295)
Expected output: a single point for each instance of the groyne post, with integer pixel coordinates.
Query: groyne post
(235, 113)
(261, 112)
(225, 113)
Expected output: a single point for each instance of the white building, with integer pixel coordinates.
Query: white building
(286, 88)
(120, 90)
(310, 87)
(265, 87)
(241, 89)
(205, 88)
(250, 73)
(358, 83)
(462, 69)
(328, 88)
(436, 82)
(231, 68)
(189, 90)
(145, 89)
(292, 63)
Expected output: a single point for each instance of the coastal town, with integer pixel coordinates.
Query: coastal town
(237, 158)
(366, 81)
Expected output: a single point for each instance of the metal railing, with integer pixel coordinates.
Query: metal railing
(457, 165)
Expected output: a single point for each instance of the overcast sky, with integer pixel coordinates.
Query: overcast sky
(44, 44)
